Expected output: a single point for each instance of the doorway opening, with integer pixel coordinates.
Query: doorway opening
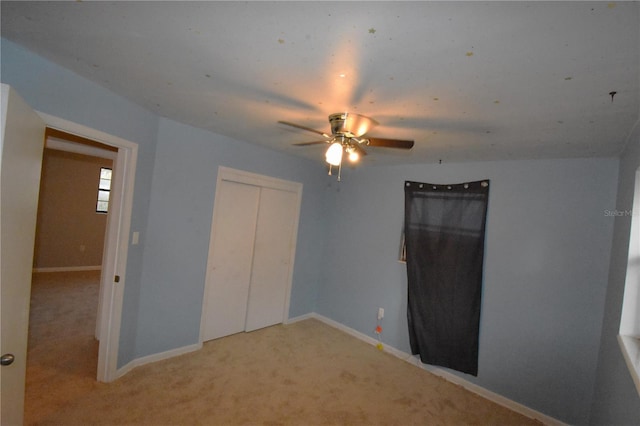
(116, 243)
(66, 282)
(22, 145)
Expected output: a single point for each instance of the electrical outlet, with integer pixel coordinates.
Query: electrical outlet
(380, 313)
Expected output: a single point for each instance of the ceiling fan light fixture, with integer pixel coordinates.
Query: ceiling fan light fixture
(334, 154)
(353, 154)
(347, 136)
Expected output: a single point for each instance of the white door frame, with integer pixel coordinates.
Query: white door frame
(116, 241)
(241, 176)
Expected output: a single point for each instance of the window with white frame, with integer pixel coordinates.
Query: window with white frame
(104, 190)
(629, 336)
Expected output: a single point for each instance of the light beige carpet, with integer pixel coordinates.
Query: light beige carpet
(62, 355)
(305, 373)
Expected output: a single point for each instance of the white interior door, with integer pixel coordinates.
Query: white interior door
(272, 257)
(231, 255)
(21, 145)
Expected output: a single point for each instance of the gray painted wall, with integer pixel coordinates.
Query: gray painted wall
(165, 278)
(547, 258)
(180, 215)
(616, 399)
(54, 90)
(546, 263)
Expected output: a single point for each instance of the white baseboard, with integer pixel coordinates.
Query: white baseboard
(156, 357)
(300, 318)
(68, 268)
(414, 360)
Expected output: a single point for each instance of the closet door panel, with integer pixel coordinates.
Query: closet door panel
(272, 256)
(230, 269)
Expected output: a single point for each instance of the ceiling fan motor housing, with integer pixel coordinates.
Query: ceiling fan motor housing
(350, 125)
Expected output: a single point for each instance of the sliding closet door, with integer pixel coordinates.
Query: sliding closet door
(231, 254)
(251, 253)
(272, 256)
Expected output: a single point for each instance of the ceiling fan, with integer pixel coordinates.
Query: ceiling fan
(347, 136)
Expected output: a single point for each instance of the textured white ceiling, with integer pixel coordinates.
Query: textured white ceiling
(465, 80)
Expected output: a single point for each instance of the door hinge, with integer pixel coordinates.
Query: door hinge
(117, 278)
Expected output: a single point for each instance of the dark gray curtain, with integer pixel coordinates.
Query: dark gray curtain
(444, 237)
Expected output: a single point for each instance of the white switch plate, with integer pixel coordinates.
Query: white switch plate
(135, 238)
(380, 313)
